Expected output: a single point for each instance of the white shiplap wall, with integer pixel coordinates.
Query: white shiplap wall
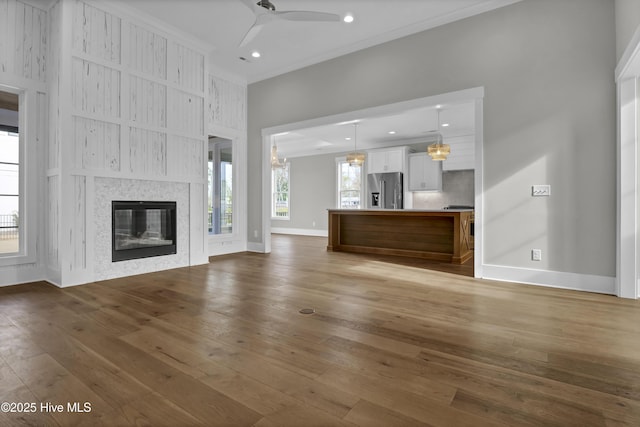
(23, 69)
(23, 40)
(53, 164)
(128, 106)
(136, 114)
(227, 104)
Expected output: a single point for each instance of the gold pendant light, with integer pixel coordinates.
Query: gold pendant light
(439, 150)
(355, 158)
(275, 161)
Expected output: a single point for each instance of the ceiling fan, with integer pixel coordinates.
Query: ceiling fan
(265, 13)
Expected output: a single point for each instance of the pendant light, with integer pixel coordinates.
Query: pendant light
(355, 158)
(275, 161)
(439, 150)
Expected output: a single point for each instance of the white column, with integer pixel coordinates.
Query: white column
(627, 241)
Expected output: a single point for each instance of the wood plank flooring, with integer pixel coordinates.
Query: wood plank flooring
(390, 344)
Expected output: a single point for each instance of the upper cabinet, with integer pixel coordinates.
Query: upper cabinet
(424, 173)
(387, 160)
(463, 153)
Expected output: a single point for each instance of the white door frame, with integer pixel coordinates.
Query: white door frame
(628, 105)
(476, 94)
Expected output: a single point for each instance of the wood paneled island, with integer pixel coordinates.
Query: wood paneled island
(439, 235)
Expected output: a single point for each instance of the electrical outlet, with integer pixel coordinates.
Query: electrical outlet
(314, 224)
(541, 190)
(536, 254)
(255, 234)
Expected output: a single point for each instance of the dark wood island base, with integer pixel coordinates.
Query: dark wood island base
(438, 235)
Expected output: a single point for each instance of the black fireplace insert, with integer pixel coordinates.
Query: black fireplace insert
(142, 229)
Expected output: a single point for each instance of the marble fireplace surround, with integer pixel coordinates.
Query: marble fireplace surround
(110, 189)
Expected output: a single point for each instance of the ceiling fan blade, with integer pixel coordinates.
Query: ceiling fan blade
(251, 34)
(301, 15)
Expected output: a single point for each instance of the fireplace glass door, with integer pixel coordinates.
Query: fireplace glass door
(143, 229)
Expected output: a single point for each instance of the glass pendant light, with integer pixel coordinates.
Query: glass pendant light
(275, 161)
(439, 150)
(355, 158)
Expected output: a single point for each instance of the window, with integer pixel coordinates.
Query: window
(349, 185)
(10, 213)
(220, 200)
(280, 202)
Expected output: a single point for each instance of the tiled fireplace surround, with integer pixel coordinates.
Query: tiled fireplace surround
(109, 189)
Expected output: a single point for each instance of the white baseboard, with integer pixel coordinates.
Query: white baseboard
(226, 247)
(553, 279)
(13, 275)
(71, 285)
(255, 247)
(300, 231)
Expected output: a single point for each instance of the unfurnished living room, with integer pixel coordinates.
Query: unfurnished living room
(338, 212)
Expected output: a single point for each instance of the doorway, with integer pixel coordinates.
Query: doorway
(475, 95)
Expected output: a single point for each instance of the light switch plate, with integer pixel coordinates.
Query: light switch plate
(541, 190)
(536, 254)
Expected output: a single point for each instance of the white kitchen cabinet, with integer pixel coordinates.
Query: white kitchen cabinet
(424, 173)
(463, 154)
(387, 160)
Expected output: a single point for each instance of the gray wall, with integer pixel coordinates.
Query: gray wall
(627, 21)
(549, 118)
(312, 192)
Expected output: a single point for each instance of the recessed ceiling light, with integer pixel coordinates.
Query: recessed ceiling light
(445, 125)
(392, 132)
(348, 18)
(255, 54)
(348, 138)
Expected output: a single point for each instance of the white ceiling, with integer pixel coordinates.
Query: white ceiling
(412, 127)
(285, 45)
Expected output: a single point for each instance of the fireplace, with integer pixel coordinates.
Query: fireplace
(142, 229)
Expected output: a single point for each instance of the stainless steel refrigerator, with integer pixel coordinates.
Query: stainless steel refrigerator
(385, 190)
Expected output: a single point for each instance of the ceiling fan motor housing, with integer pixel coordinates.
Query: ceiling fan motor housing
(266, 4)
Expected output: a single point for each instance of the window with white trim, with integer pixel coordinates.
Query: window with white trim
(10, 155)
(220, 200)
(280, 194)
(349, 185)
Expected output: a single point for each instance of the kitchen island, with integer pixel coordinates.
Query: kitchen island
(439, 235)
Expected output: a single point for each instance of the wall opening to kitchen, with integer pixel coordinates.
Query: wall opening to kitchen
(472, 175)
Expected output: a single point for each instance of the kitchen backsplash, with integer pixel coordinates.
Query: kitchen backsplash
(457, 189)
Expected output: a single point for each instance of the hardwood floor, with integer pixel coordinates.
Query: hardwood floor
(388, 345)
